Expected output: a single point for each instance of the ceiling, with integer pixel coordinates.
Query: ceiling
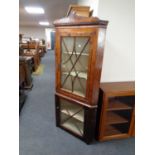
(54, 9)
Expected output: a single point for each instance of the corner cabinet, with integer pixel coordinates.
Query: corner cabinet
(79, 49)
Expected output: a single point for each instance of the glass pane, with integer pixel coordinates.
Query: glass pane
(72, 117)
(74, 64)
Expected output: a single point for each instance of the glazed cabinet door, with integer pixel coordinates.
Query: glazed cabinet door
(75, 118)
(74, 51)
(71, 116)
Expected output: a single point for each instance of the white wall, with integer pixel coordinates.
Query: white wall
(35, 32)
(119, 57)
(92, 3)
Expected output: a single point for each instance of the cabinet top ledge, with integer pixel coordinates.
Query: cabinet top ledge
(117, 87)
(74, 20)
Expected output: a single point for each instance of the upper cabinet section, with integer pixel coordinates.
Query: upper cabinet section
(79, 57)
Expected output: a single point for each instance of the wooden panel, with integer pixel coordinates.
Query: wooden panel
(110, 130)
(133, 131)
(118, 88)
(132, 126)
(113, 118)
(22, 76)
(112, 137)
(118, 105)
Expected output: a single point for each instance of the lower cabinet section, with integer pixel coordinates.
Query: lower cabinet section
(72, 117)
(77, 119)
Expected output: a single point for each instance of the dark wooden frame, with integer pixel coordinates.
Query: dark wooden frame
(89, 120)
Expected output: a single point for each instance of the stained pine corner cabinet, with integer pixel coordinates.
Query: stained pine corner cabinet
(79, 50)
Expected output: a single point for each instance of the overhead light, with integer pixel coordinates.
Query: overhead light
(44, 23)
(34, 10)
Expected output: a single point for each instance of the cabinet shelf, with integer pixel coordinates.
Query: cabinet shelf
(111, 130)
(79, 93)
(116, 130)
(80, 74)
(83, 54)
(114, 118)
(118, 105)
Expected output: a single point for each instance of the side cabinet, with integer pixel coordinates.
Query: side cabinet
(116, 111)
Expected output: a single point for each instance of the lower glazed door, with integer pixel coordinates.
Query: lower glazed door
(76, 119)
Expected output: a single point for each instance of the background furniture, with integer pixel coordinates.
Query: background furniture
(42, 50)
(22, 99)
(35, 56)
(26, 63)
(79, 52)
(22, 77)
(116, 116)
(34, 46)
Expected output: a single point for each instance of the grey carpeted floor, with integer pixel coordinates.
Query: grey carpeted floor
(38, 133)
